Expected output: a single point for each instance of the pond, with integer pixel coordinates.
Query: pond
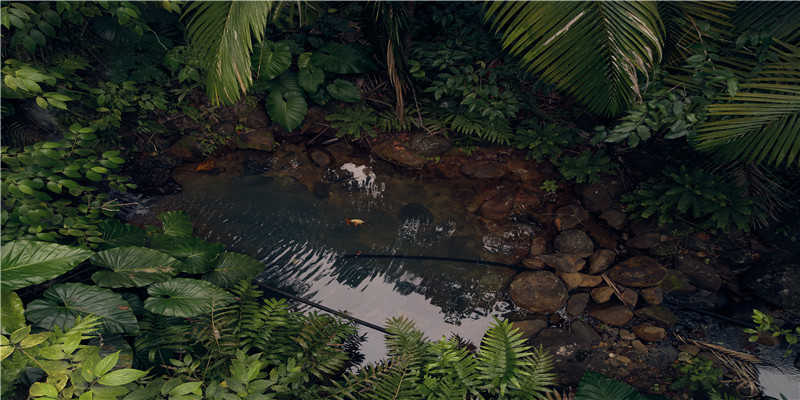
(300, 231)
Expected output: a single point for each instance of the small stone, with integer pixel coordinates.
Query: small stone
(601, 236)
(589, 281)
(563, 262)
(612, 314)
(600, 260)
(629, 296)
(576, 304)
(529, 328)
(538, 246)
(639, 271)
(649, 333)
(701, 254)
(689, 349)
(533, 263)
(658, 314)
(639, 347)
(644, 241)
(573, 241)
(571, 216)
(320, 157)
(571, 279)
(625, 334)
(624, 360)
(615, 218)
(766, 339)
(653, 295)
(602, 294)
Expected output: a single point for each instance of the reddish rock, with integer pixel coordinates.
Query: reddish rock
(538, 291)
(612, 314)
(563, 262)
(639, 271)
(649, 333)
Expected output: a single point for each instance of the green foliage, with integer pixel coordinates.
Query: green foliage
(339, 58)
(766, 324)
(706, 199)
(12, 312)
(595, 386)
(588, 167)
(22, 80)
(698, 373)
(133, 266)
(354, 122)
(48, 189)
(25, 263)
(183, 297)
(549, 186)
(287, 108)
(543, 142)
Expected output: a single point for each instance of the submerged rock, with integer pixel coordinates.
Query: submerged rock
(414, 211)
(538, 291)
(429, 145)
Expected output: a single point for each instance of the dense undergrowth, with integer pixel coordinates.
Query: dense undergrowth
(110, 310)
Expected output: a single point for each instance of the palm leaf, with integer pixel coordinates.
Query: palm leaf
(761, 123)
(779, 17)
(682, 21)
(592, 50)
(222, 34)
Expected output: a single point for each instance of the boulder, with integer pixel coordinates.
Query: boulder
(399, 154)
(612, 314)
(639, 271)
(594, 196)
(573, 241)
(699, 273)
(649, 333)
(600, 260)
(483, 170)
(538, 291)
(563, 262)
(571, 216)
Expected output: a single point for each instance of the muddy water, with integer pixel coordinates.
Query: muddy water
(298, 229)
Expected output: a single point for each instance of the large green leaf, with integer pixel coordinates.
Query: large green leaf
(117, 234)
(12, 312)
(344, 90)
(310, 78)
(284, 83)
(182, 297)
(133, 266)
(288, 109)
(594, 386)
(271, 59)
(592, 50)
(230, 268)
(26, 263)
(340, 58)
(61, 304)
(196, 254)
(176, 223)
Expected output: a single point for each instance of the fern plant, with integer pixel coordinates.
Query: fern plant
(708, 200)
(354, 122)
(588, 167)
(543, 142)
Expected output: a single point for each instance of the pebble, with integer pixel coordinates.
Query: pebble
(625, 334)
(602, 294)
(689, 349)
(638, 346)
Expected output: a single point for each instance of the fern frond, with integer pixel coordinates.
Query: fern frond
(503, 359)
(540, 374)
(496, 131)
(353, 385)
(321, 339)
(269, 330)
(161, 338)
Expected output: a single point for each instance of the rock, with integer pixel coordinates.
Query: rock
(622, 359)
(649, 333)
(507, 244)
(533, 263)
(735, 258)
(629, 296)
(602, 237)
(594, 196)
(625, 334)
(571, 279)
(186, 149)
(602, 294)
(564, 347)
(614, 186)
(429, 145)
(640, 227)
(577, 303)
(658, 314)
(600, 260)
(538, 291)
(639, 271)
(320, 157)
(653, 295)
(689, 349)
(499, 206)
(694, 243)
(574, 241)
(585, 333)
(776, 280)
(644, 241)
(699, 273)
(416, 212)
(495, 279)
(662, 357)
(766, 339)
(529, 328)
(612, 314)
(639, 347)
(483, 170)
(563, 262)
(256, 118)
(224, 128)
(590, 281)
(676, 281)
(256, 139)
(399, 154)
(571, 216)
(664, 249)
(614, 218)
(538, 246)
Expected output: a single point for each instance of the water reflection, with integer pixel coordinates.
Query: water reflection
(301, 237)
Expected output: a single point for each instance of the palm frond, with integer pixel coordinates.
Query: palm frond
(682, 21)
(392, 20)
(592, 50)
(778, 17)
(221, 34)
(761, 123)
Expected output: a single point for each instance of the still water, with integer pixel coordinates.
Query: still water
(299, 231)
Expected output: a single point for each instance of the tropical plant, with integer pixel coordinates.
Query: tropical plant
(698, 373)
(354, 122)
(543, 142)
(596, 386)
(587, 167)
(766, 324)
(707, 199)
